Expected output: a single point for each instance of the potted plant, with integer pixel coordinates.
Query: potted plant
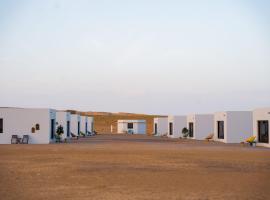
(185, 132)
(59, 133)
(82, 134)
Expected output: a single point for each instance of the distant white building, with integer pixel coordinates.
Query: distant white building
(161, 126)
(84, 124)
(261, 118)
(200, 125)
(63, 119)
(176, 125)
(233, 126)
(39, 124)
(131, 126)
(91, 124)
(75, 124)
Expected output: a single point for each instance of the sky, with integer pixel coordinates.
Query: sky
(145, 56)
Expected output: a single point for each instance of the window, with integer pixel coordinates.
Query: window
(37, 127)
(130, 125)
(263, 131)
(1, 125)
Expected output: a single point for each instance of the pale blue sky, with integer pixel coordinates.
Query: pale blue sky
(158, 57)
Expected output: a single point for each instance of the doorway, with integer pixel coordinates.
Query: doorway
(52, 128)
(220, 127)
(155, 128)
(190, 128)
(79, 128)
(170, 128)
(263, 131)
(68, 128)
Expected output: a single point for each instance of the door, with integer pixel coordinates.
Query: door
(263, 131)
(170, 128)
(79, 128)
(68, 128)
(155, 128)
(220, 126)
(1, 125)
(52, 128)
(190, 128)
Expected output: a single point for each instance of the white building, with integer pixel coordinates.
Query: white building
(91, 124)
(38, 124)
(233, 126)
(261, 118)
(63, 119)
(161, 126)
(131, 126)
(75, 124)
(84, 124)
(200, 125)
(176, 125)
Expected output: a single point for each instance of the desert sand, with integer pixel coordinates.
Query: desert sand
(134, 167)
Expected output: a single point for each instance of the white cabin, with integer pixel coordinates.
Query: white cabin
(160, 126)
(233, 126)
(200, 125)
(38, 123)
(176, 125)
(131, 126)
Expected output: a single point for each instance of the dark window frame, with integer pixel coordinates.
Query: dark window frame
(130, 125)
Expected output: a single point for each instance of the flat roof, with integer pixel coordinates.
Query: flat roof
(131, 121)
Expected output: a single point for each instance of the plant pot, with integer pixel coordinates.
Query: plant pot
(254, 144)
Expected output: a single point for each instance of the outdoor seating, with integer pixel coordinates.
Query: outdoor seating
(15, 139)
(74, 136)
(210, 137)
(25, 139)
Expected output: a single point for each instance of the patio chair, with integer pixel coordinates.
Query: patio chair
(251, 141)
(74, 136)
(210, 137)
(25, 139)
(15, 139)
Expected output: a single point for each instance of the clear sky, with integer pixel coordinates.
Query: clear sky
(143, 56)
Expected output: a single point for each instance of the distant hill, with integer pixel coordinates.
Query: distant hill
(104, 120)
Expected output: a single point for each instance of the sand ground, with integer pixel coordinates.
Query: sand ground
(134, 167)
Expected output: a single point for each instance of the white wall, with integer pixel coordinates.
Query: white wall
(19, 121)
(179, 122)
(238, 125)
(74, 123)
(84, 122)
(91, 124)
(62, 118)
(261, 114)
(203, 125)
(162, 125)
(139, 126)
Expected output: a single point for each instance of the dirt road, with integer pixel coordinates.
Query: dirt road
(134, 167)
